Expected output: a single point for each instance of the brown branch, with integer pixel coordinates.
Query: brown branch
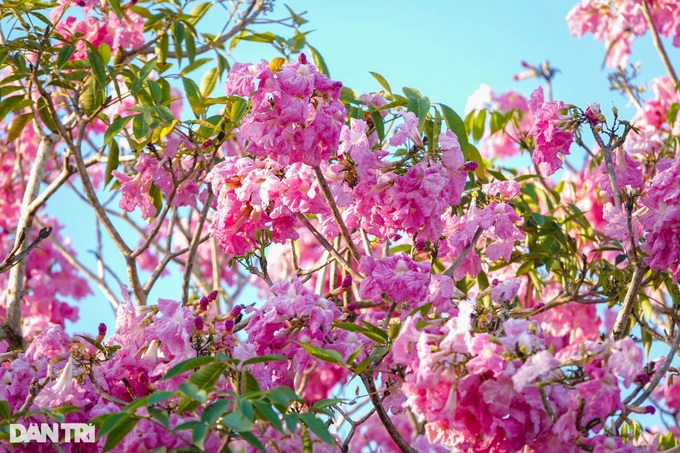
(657, 42)
(368, 381)
(328, 195)
(327, 245)
(459, 259)
(623, 315)
(13, 258)
(11, 328)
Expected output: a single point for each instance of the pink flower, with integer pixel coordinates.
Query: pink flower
(662, 220)
(550, 138)
(506, 291)
(408, 130)
(396, 276)
(627, 170)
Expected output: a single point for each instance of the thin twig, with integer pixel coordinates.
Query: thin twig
(327, 245)
(459, 259)
(368, 381)
(657, 42)
(193, 248)
(328, 195)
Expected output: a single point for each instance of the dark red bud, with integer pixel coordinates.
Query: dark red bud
(471, 166)
(347, 281)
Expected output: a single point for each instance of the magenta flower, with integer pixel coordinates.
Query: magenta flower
(550, 138)
(397, 276)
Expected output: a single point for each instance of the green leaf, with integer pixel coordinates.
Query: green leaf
(140, 127)
(208, 82)
(266, 413)
(111, 162)
(478, 125)
(318, 61)
(379, 333)
(115, 127)
(264, 358)
(115, 6)
(65, 54)
(5, 412)
(378, 123)
(282, 396)
(104, 52)
(192, 391)
(18, 126)
(119, 431)
(187, 365)
(299, 20)
(291, 421)
(45, 116)
(254, 441)
(199, 434)
(98, 70)
(148, 68)
(160, 415)
(318, 427)
(382, 81)
(647, 341)
(161, 49)
(237, 421)
(206, 377)
(327, 355)
(238, 110)
(455, 123)
(159, 396)
(190, 45)
(198, 12)
(672, 113)
(8, 104)
(193, 95)
(213, 412)
(92, 97)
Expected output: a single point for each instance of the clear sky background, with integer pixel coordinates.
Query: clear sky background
(444, 48)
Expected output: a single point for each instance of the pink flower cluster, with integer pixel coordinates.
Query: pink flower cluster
(254, 194)
(117, 34)
(164, 174)
(296, 115)
(480, 388)
(550, 138)
(503, 143)
(619, 22)
(292, 316)
(397, 277)
(385, 203)
(496, 222)
(661, 222)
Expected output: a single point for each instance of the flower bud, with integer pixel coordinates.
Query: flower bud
(198, 323)
(236, 311)
(228, 325)
(471, 166)
(347, 282)
(101, 332)
(213, 295)
(203, 304)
